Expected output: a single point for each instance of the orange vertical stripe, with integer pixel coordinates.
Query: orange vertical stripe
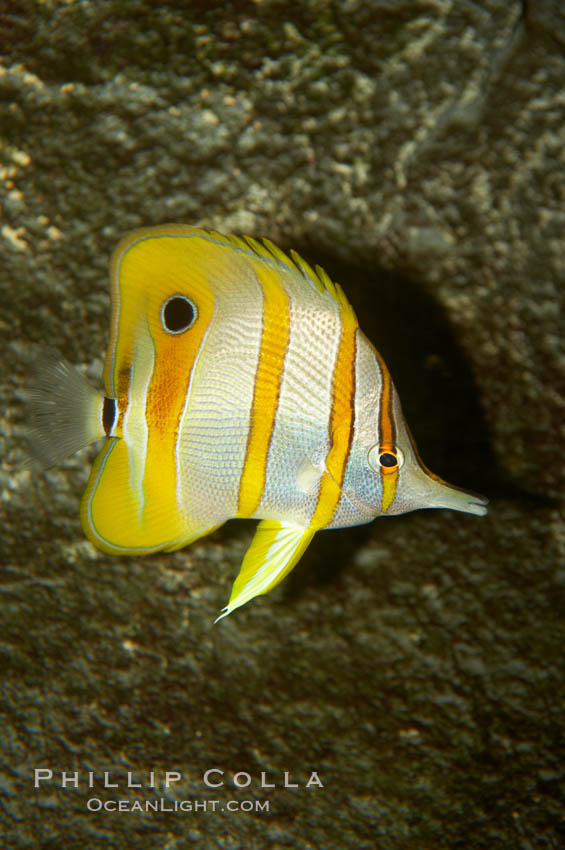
(341, 420)
(386, 434)
(272, 352)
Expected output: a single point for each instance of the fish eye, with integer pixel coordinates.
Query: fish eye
(178, 313)
(385, 459)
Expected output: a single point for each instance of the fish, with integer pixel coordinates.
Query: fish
(237, 384)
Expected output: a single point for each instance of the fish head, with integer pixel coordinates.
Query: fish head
(406, 484)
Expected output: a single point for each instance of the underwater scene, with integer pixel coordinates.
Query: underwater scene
(282, 551)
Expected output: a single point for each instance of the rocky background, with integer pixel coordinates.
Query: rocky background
(417, 150)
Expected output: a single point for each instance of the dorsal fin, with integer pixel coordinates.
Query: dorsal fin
(267, 250)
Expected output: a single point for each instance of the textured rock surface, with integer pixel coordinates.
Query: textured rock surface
(416, 148)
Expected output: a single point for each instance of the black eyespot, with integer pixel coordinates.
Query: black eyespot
(108, 414)
(178, 314)
(387, 459)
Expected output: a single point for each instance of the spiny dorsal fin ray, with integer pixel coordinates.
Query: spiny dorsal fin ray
(267, 250)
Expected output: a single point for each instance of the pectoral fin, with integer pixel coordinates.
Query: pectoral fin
(275, 550)
(308, 477)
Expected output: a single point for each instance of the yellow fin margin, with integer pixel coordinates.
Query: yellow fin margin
(116, 521)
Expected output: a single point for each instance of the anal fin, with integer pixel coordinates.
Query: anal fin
(275, 550)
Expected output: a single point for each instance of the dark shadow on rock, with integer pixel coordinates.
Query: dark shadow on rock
(439, 396)
(328, 554)
(437, 389)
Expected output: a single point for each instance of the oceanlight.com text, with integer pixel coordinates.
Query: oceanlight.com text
(95, 804)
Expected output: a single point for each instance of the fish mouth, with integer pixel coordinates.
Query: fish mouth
(476, 505)
(448, 496)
